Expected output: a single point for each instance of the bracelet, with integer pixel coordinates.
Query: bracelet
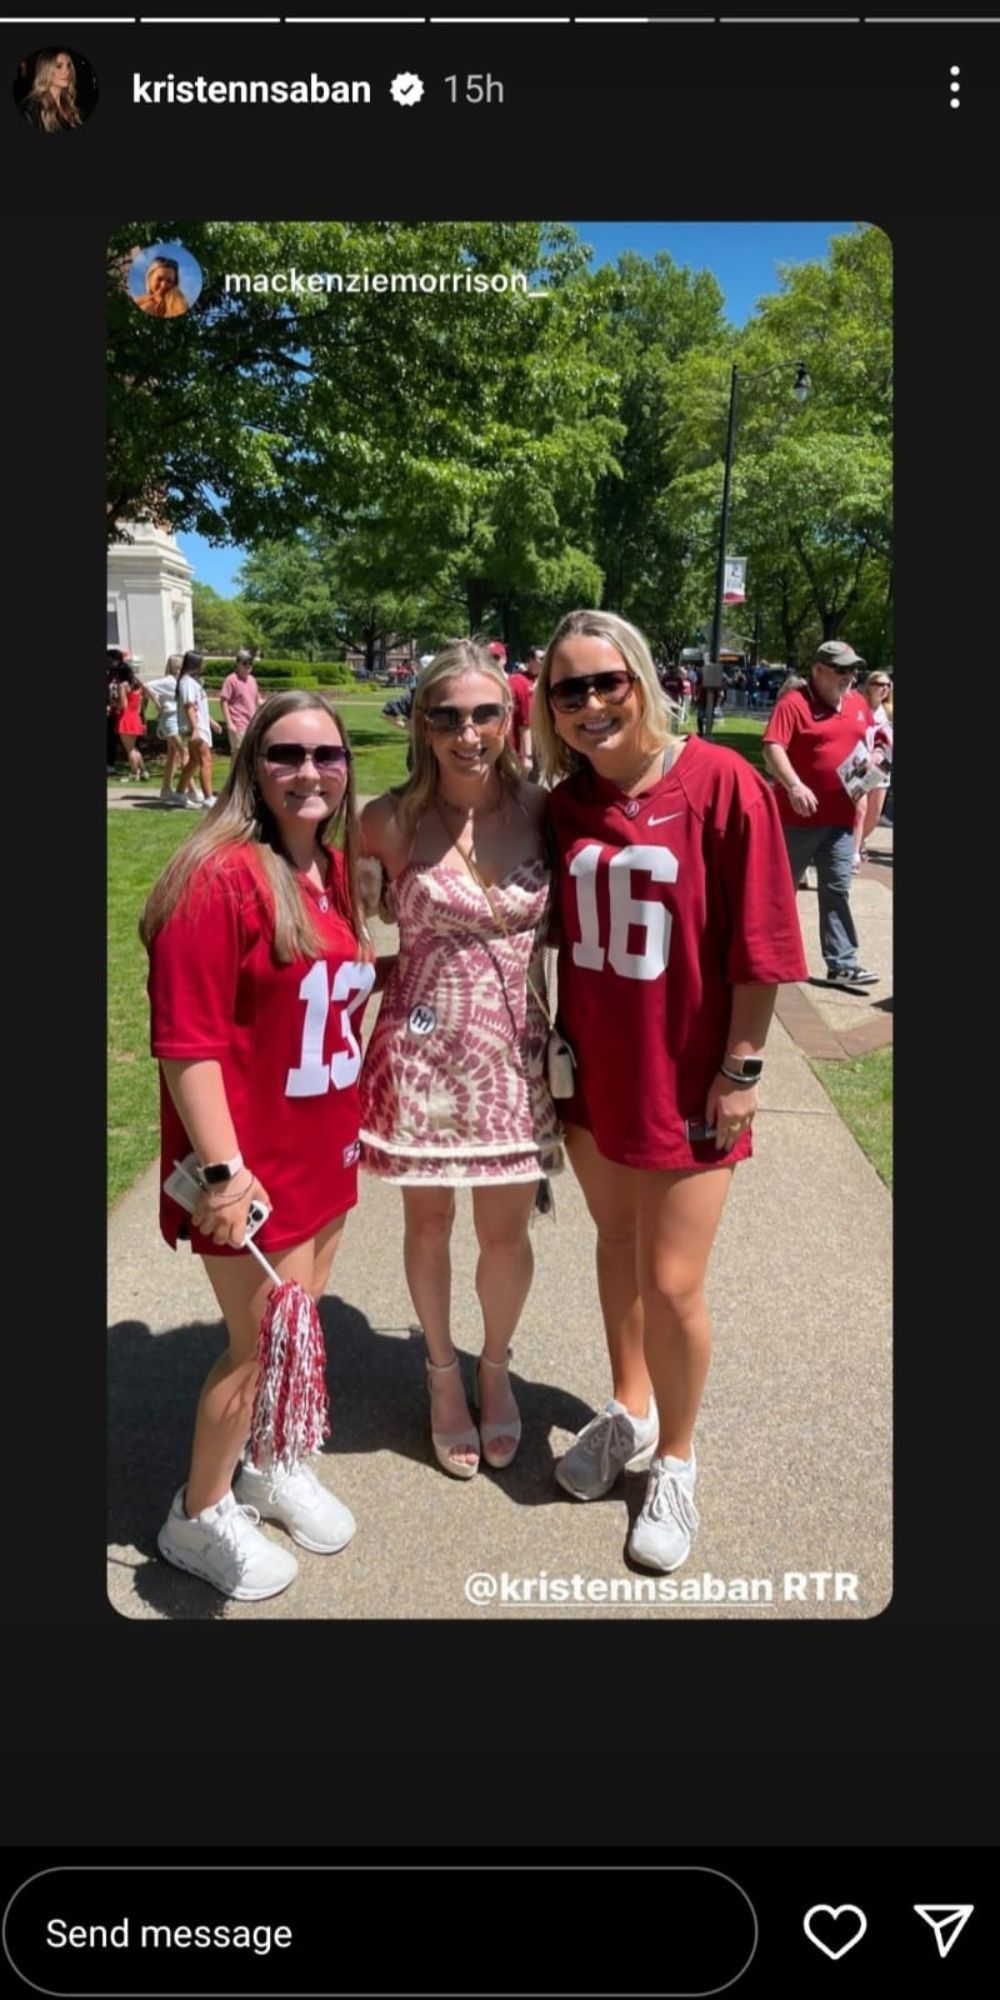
(748, 1082)
(232, 1199)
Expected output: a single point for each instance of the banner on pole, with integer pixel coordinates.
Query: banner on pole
(734, 588)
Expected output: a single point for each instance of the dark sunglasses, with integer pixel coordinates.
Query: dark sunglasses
(489, 715)
(292, 756)
(569, 696)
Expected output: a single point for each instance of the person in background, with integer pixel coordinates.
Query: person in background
(877, 691)
(398, 711)
(239, 699)
(197, 724)
(519, 729)
(259, 962)
(531, 669)
(128, 699)
(114, 668)
(678, 923)
(163, 691)
(677, 688)
(814, 728)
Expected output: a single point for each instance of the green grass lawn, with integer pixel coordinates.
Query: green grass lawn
(861, 1091)
(739, 732)
(139, 845)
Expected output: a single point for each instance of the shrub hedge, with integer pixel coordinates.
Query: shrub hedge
(272, 675)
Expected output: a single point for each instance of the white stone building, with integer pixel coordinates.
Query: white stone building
(149, 596)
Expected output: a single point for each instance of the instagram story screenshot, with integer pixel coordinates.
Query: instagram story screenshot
(480, 1274)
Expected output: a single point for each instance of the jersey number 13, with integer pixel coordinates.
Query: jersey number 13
(312, 1077)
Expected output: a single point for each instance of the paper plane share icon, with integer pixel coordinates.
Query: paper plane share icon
(947, 1921)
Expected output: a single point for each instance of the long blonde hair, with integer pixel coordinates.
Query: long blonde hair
(886, 701)
(460, 656)
(241, 819)
(558, 759)
(67, 112)
(171, 304)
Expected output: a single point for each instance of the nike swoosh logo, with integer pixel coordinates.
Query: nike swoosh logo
(661, 818)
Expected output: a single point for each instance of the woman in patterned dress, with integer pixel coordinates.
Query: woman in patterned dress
(453, 1090)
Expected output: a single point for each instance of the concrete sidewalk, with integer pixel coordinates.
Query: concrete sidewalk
(793, 1442)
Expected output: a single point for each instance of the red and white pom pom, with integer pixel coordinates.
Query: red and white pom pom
(291, 1412)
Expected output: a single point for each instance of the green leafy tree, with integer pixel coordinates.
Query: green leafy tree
(321, 595)
(221, 624)
(657, 316)
(812, 484)
(289, 593)
(252, 414)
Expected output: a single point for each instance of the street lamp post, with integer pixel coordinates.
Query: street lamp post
(800, 390)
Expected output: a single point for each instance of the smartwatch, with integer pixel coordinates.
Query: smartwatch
(221, 1172)
(742, 1069)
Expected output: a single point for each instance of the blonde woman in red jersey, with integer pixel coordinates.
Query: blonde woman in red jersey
(678, 922)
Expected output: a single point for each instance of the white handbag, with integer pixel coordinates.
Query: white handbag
(560, 1062)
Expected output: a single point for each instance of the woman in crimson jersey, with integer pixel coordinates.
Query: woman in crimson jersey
(678, 922)
(259, 966)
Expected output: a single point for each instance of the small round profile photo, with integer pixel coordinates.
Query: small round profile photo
(164, 280)
(55, 90)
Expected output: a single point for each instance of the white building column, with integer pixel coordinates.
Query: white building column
(149, 596)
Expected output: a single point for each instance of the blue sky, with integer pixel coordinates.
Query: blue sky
(742, 255)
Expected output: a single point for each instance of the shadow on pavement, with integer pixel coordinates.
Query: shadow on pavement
(379, 1403)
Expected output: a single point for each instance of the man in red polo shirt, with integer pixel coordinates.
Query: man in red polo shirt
(519, 726)
(809, 743)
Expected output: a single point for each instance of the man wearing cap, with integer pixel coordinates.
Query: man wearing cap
(813, 731)
(239, 699)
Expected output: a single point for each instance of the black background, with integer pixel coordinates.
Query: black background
(609, 1924)
(582, 1735)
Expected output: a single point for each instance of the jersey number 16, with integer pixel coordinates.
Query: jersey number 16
(627, 912)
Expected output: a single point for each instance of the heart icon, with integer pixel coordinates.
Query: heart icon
(857, 1928)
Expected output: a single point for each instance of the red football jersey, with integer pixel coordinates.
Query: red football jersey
(817, 739)
(666, 902)
(286, 1037)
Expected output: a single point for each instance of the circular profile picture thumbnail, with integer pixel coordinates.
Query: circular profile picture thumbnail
(164, 280)
(55, 89)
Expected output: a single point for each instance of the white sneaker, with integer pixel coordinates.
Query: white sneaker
(613, 1443)
(224, 1545)
(212, 800)
(315, 1518)
(662, 1534)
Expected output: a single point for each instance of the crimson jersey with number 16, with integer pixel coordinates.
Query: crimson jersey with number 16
(667, 901)
(286, 1038)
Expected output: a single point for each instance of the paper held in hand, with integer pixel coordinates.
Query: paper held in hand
(863, 771)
